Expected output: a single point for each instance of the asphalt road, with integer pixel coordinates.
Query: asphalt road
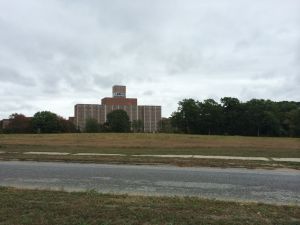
(270, 186)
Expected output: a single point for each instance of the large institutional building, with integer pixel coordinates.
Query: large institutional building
(150, 116)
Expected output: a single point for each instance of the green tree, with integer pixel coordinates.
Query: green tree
(284, 114)
(294, 123)
(233, 115)
(211, 119)
(257, 117)
(92, 126)
(187, 117)
(261, 118)
(45, 122)
(254, 116)
(118, 121)
(137, 126)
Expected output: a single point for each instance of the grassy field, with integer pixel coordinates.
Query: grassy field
(137, 144)
(156, 143)
(89, 208)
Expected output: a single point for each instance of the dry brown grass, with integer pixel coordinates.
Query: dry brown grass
(89, 208)
(151, 144)
(162, 141)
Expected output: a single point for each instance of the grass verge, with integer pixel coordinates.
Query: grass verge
(90, 208)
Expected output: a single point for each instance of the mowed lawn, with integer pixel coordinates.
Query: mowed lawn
(152, 144)
(35, 207)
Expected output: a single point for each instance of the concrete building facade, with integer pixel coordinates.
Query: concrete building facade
(150, 116)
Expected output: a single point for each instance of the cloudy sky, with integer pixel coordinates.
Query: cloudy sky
(56, 53)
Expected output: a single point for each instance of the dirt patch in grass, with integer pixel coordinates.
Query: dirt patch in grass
(90, 208)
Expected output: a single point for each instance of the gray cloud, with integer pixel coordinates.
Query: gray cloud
(54, 54)
(8, 75)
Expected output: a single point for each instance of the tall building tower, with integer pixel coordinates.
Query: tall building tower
(119, 91)
(150, 116)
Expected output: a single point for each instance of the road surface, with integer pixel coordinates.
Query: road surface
(270, 186)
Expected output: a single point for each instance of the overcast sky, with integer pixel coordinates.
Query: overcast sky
(56, 53)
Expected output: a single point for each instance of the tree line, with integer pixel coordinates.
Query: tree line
(48, 122)
(257, 117)
(41, 122)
